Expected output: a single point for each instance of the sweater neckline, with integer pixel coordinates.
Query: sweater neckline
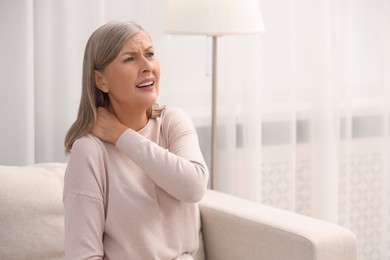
(145, 127)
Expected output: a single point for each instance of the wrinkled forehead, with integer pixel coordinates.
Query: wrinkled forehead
(140, 41)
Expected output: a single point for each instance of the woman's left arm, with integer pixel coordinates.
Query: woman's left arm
(180, 170)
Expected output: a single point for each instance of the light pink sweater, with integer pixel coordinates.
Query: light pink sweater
(137, 199)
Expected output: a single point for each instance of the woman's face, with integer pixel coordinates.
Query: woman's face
(132, 78)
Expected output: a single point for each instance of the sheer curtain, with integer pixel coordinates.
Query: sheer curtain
(42, 45)
(304, 121)
(303, 109)
(324, 80)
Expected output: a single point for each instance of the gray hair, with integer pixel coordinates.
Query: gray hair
(102, 47)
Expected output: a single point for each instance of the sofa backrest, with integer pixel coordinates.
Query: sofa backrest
(31, 212)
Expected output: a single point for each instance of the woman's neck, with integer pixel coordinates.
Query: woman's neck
(135, 119)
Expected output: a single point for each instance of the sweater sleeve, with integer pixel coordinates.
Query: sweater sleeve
(180, 170)
(83, 202)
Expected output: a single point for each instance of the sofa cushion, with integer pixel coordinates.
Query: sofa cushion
(31, 212)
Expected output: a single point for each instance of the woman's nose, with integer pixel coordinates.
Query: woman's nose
(147, 65)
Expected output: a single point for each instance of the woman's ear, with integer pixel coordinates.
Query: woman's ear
(100, 82)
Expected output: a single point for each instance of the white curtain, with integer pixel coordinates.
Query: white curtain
(303, 109)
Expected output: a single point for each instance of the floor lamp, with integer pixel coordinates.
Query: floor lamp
(213, 18)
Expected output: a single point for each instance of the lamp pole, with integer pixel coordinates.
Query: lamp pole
(219, 17)
(214, 140)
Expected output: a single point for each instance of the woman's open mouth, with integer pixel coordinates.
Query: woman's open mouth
(146, 84)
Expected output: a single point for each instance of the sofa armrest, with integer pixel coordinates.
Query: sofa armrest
(235, 228)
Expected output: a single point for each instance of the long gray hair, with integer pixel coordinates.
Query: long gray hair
(101, 49)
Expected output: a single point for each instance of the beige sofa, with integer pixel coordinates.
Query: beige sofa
(31, 224)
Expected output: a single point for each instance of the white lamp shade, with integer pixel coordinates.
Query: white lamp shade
(213, 17)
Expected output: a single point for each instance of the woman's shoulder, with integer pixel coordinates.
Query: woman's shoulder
(175, 118)
(87, 144)
(88, 140)
(170, 112)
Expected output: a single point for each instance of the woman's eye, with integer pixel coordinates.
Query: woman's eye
(150, 54)
(129, 59)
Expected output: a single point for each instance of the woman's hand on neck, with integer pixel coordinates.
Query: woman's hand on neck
(107, 126)
(134, 118)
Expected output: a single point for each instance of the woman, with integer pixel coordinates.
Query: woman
(135, 170)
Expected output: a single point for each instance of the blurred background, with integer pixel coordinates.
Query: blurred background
(303, 108)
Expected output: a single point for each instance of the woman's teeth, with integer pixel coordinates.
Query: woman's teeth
(146, 84)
